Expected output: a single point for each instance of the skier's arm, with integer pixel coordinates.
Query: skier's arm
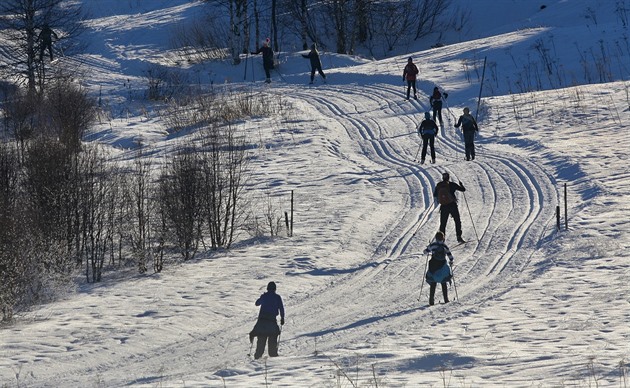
(459, 122)
(259, 300)
(281, 307)
(448, 254)
(459, 187)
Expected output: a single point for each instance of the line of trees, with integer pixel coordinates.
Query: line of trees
(67, 206)
(343, 25)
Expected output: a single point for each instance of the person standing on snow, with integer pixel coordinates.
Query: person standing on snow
(267, 56)
(45, 37)
(469, 127)
(316, 63)
(409, 74)
(436, 104)
(439, 271)
(444, 194)
(428, 129)
(266, 328)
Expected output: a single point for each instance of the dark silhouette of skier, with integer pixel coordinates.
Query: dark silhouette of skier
(266, 328)
(45, 38)
(444, 194)
(267, 56)
(436, 104)
(316, 63)
(470, 129)
(428, 129)
(409, 74)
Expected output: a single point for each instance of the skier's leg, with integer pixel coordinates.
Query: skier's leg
(445, 292)
(260, 346)
(273, 346)
(458, 221)
(425, 143)
(408, 88)
(312, 74)
(432, 145)
(444, 213)
(321, 72)
(432, 293)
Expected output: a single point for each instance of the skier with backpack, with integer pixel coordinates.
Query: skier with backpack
(469, 127)
(444, 194)
(439, 271)
(266, 328)
(436, 103)
(428, 130)
(409, 74)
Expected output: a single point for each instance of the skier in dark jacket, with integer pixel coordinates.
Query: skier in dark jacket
(316, 63)
(266, 328)
(439, 271)
(267, 56)
(428, 129)
(409, 74)
(45, 38)
(444, 194)
(469, 127)
(436, 104)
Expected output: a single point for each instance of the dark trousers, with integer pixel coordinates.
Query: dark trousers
(411, 84)
(469, 142)
(44, 46)
(437, 111)
(450, 210)
(428, 140)
(267, 71)
(432, 287)
(319, 70)
(262, 341)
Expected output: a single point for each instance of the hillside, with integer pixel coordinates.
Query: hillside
(534, 306)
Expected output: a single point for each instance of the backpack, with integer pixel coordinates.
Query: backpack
(427, 127)
(444, 195)
(439, 253)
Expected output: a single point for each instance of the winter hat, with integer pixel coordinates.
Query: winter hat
(271, 286)
(427, 115)
(466, 110)
(410, 59)
(445, 176)
(439, 236)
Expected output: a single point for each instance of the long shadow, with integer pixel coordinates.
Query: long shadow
(361, 322)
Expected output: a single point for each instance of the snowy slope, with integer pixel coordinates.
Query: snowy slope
(535, 306)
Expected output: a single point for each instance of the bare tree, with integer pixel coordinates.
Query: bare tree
(181, 198)
(224, 175)
(22, 22)
(71, 112)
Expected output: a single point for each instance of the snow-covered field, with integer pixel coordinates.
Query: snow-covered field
(535, 306)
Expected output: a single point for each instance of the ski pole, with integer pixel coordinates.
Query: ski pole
(426, 264)
(415, 158)
(470, 214)
(251, 345)
(454, 285)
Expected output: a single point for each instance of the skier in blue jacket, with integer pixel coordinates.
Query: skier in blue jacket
(266, 328)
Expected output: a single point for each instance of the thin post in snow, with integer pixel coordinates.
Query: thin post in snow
(566, 217)
(483, 77)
